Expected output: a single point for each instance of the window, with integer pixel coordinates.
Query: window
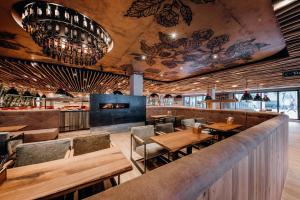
(288, 103)
(186, 101)
(272, 104)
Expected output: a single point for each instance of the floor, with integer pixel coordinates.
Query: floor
(292, 184)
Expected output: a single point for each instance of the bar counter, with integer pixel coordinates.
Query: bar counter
(65, 120)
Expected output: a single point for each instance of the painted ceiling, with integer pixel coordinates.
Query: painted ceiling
(211, 35)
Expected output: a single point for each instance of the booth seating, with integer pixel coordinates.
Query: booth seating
(90, 143)
(38, 152)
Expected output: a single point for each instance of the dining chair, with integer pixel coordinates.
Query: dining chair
(90, 143)
(141, 143)
(164, 128)
(188, 123)
(170, 120)
(39, 152)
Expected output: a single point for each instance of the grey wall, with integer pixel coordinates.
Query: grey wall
(104, 117)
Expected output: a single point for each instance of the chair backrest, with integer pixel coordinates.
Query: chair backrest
(89, 143)
(170, 120)
(38, 152)
(200, 120)
(143, 132)
(166, 128)
(188, 123)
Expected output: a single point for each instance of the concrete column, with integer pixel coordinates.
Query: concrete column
(212, 93)
(136, 84)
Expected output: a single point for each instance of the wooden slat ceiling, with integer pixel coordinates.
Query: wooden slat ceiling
(49, 77)
(261, 75)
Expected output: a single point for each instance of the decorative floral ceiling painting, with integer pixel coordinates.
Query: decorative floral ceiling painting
(166, 40)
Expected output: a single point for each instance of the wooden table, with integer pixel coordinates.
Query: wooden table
(222, 128)
(51, 179)
(160, 116)
(12, 128)
(173, 142)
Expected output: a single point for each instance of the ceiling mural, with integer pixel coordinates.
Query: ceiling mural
(166, 40)
(166, 13)
(202, 48)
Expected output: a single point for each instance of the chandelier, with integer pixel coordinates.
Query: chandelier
(64, 34)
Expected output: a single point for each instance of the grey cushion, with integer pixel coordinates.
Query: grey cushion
(38, 152)
(166, 128)
(200, 120)
(90, 143)
(152, 150)
(143, 132)
(188, 122)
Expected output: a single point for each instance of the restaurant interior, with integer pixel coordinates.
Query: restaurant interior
(150, 99)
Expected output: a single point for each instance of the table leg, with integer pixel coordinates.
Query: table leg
(175, 155)
(189, 149)
(119, 181)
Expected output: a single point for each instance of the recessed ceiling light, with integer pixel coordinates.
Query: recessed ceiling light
(217, 81)
(195, 83)
(161, 75)
(181, 68)
(215, 56)
(143, 57)
(25, 76)
(34, 79)
(173, 35)
(203, 77)
(234, 86)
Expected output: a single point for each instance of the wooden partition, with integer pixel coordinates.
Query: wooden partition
(34, 119)
(251, 165)
(247, 119)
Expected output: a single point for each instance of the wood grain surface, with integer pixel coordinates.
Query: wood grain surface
(50, 178)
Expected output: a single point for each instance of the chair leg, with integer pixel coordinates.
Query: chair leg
(145, 158)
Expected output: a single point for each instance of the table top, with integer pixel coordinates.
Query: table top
(54, 177)
(160, 116)
(12, 128)
(180, 139)
(223, 126)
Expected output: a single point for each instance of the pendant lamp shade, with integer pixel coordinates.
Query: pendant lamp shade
(117, 92)
(154, 95)
(257, 98)
(246, 96)
(168, 96)
(178, 98)
(266, 98)
(37, 95)
(44, 96)
(207, 97)
(61, 91)
(27, 94)
(12, 91)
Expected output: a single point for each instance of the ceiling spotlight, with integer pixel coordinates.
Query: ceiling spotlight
(217, 81)
(234, 86)
(173, 35)
(181, 68)
(143, 57)
(215, 56)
